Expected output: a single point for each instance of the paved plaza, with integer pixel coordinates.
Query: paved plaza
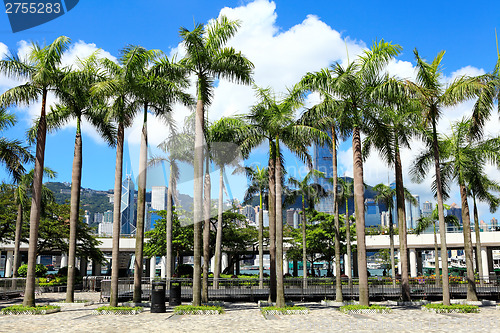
(245, 317)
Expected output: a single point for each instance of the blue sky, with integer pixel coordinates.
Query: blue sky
(284, 39)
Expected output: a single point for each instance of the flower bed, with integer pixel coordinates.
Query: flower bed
(119, 310)
(198, 310)
(30, 310)
(360, 309)
(287, 310)
(454, 308)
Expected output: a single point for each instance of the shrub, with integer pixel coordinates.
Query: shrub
(184, 270)
(463, 308)
(284, 310)
(21, 309)
(204, 309)
(40, 270)
(352, 307)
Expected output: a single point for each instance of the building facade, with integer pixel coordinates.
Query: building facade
(127, 208)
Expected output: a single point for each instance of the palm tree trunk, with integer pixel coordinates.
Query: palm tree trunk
(304, 244)
(218, 235)
(359, 192)
(348, 240)
(170, 213)
(76, 179)
(403, 247)
(391, 246)
(206, 231)
(29, 292)
(338, 281)
(261, 243)
(141, 209)
(272, 221)
(280, 288)
(198, 201)
(115, 256)
(436, 256)
(478, 242)
(17, 240)
(469, 257)
(442, 224)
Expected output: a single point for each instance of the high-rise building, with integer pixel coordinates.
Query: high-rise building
(249, 212)
(86, 217)
(98, 217)
(494, 223)
(158, 197)
(427, 209)
(105, 229)
(323, 162)
(128, 207)
(108, 216)
(293, 217)
(265, 218)
(372, 213)
(457, 212)
(384, 219)
(412, 212)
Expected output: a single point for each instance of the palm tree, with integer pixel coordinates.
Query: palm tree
(77, 102)
(273, 120)
(391, 129)
(179, 148)
(13, 154)
(424, 223)
(386, 194)
(41, 70)
(224, 136)
(458, 159)
(158, 85)
(346, 191)
(352, 87)
(479, 188)
(208, 59)
(23, 186)
(118, 88)
(259, 184)
(432, 94)
(309, 193)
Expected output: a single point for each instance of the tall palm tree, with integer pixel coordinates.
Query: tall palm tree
(346, 191)
(432, 95)
(309, 193)
(77, 102)
(224, 137)
(273, 120)
(425, 223)
(458, 158)
(259, 184)
(209, 59)
(391, 129)
(158, 85)
(41, 70)
(352, 86)
(122, 108)
(12, 153)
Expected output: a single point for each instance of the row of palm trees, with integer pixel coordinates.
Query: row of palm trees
(358, 97)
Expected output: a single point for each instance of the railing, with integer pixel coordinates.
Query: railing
(93, 283)
(315, 288)
(11, 287)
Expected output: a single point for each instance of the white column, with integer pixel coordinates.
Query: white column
(413, 263)
(152, 268)
(9, 263)
(399, 262)
(223, 262)
(484, 257)
(348, 269)
(285, 265)
(163, 265)
(64, 260)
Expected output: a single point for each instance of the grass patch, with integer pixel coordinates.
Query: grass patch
(460, 308)
(357, 308)
(197, 310)
(118, 310)
(287, 310)
(33, 310)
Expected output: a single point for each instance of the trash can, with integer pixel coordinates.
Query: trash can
(175, 293)
(158, 297)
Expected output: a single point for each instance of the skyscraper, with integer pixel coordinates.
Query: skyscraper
(108, 216)
(427, 209)
(412, 212)
(323, 162)
(457, 212)
(372, 213)
(158, 197)
(128, 207)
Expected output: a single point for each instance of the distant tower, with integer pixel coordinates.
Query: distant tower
(427, 209)
(372, 213)
(128, 207)
(158, 197)
(323, 163)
